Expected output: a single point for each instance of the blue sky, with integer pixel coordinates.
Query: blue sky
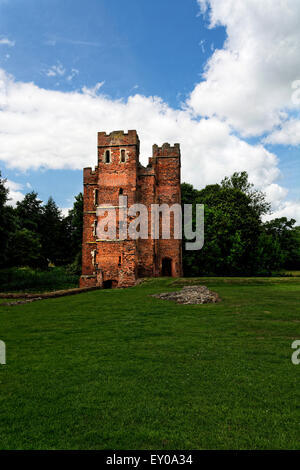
(152, 47)
(137, 48)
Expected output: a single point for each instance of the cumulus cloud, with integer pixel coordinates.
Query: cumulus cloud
(246, 90)
(289, 209)
(287, 134)
(276, 194)
(56, 130)
(249, 82)
(15, 192)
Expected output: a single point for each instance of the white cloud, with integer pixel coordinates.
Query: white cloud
(15, 193)
(280, 206)
(56, 70)
(276, 194)
(289, 209)
(53, 41)
(65, 211)
(7, 42)
(50, 129)
(73, 73)
(202, 45)
(249, 82)
(92, 91)
(287, 134)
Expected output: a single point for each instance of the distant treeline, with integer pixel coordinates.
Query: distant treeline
(37, 235)
(237, 242)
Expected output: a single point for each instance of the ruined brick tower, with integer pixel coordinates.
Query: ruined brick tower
(119, 262)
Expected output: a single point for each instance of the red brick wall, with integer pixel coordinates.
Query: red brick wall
(167, 163)
(123, 261)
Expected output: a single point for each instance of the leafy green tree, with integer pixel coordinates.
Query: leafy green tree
(233, 229)
(257, 198)
(74, 228)
(7, 223)
(29, 212)
(76, 223)
(3, 230)
(51, 233)
(287, 236)
(26, 248)
(268, 254)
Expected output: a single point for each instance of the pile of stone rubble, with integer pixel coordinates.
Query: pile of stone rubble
(191, 295)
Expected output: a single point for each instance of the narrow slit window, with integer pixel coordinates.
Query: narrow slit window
(107, 156)
(96, 195)
(95, 228)
(123, 156)
(120, 260)
(121, 191)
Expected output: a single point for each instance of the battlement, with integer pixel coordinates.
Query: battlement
(166, 150)
(89, 175)
(118, 138)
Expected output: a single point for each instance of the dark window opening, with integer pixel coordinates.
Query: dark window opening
(123, 156)
(95, 227)
(107, 156)
(121, 191)
(166, 268)
(96, 197)
(120, 261)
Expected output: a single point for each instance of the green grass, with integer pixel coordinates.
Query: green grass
(118, 369)
(36, 280)
(8, 301)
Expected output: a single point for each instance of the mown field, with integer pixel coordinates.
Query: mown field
(118, 369)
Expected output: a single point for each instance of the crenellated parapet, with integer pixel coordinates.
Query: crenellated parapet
(166, 150)
(118, 138)
(90, 176)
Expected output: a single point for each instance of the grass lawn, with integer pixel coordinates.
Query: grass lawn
(117, 369)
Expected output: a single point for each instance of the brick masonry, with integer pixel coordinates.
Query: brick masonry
(119, 263)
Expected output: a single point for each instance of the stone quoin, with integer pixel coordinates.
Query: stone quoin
(119, 262)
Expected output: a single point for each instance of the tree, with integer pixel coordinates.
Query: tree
(269, 256)
(287, 236)
(26, 249)
(233, 230)
(76, 223)
(51, 233)
(29, 212)
(74, 228)
(7, 223)
(258, 198)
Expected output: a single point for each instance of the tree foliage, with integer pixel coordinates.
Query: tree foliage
(37, 235)
(237, 242)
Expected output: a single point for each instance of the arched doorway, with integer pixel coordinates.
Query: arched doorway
(166, 267)
(110, 284)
